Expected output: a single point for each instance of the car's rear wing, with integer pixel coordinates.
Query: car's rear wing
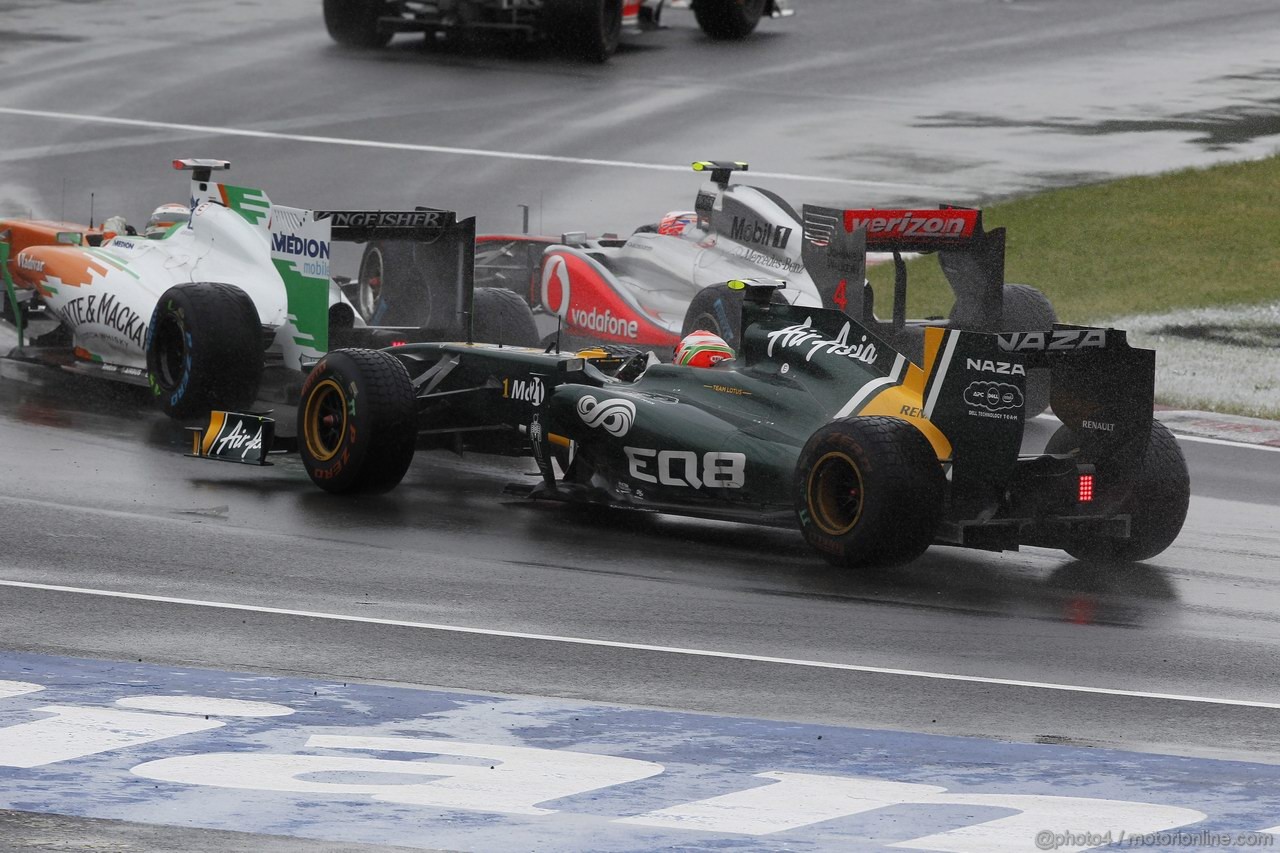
(434, 300)
(971, 257)
(359, 226)
(1101, 388)
(901, 230)
(431, 288)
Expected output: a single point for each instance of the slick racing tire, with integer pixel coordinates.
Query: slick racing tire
(1157, 504)
(718, 310)
(869, 491)
(204, 349)
(1028, 310)
(587, 29)
(354, 23)
(715, 309)
(356, 423)
(502, 316)
(728, 19)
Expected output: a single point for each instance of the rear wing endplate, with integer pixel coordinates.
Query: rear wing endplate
(972, 259)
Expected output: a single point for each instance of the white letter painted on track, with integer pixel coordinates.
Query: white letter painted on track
(77, 732)
(795, 800)
(1036, 813)
(9, 689)
(802, 799)
(506, 779)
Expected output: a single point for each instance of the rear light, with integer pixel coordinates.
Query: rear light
(1085, 493)
(398, 343)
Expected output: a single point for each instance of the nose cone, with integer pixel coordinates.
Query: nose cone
(27, 267)
(69, 265)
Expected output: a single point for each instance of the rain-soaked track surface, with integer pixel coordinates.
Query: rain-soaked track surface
(118, 548)
(913, 101)
(107, 501)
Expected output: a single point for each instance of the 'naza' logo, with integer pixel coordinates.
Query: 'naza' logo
(613, 416)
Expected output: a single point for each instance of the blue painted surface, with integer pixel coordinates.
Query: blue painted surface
(703, 756)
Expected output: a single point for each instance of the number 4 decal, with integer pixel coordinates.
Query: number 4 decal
(841, 297)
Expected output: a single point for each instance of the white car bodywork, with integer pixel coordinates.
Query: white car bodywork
(105, 295)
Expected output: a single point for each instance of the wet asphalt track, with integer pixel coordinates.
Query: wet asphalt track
(104, 500)
(913, 101)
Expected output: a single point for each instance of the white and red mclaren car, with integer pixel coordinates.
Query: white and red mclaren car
(667, 279)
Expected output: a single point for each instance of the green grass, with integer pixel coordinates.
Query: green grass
(1189, 239)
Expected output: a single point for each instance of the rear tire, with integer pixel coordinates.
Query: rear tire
(354, 23)
(502, 316)
(403, 283)
(869, 491)
(356, 422)
(1026, 309)
(718, 310)
(586, 29)
(728, 19)
(715, 309)
(378, 263)
(204, 350)
(1157, 504)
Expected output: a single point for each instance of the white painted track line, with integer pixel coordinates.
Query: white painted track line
(644, 647)
(209, 130)
(1225, 442)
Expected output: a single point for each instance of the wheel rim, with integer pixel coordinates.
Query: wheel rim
(372, 271)
(835, 494)
(171, 352)
(324, 421)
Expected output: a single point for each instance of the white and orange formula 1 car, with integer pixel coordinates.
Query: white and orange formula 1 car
(589, 29)
(232, 299)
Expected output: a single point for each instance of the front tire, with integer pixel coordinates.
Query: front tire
(204, 349)
(869, 491)
(354, 23)
(1156, 504)
(728, 19)
(356, 422)
(587, 29)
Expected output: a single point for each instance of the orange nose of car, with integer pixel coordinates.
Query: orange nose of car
(36, 266)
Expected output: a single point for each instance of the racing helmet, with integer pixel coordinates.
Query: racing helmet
(165, 217)
(677, 222)
(703, 349)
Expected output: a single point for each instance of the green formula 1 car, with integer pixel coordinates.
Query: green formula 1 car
(817, 422)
